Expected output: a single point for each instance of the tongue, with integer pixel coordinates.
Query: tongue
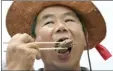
(64, 55)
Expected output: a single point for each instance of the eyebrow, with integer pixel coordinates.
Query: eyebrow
(47, 16)
(65, 14)
(69, 14)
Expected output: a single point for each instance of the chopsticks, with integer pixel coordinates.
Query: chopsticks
(39, 42)
(42, 49)
(53, 48)
(58, 48)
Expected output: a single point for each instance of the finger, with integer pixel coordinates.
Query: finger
(25, 38)
(38, 55)
(34, 48)
(35, 53)
(15, 37)
(30, 45)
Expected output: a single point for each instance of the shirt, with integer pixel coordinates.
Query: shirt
(82, 69)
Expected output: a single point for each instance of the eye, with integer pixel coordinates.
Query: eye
(49, 22)
(69, 20)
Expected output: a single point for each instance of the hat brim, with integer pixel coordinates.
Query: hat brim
(21, 15)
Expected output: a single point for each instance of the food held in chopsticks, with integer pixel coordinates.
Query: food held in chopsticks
(65, 44)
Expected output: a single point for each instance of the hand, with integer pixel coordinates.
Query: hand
(22, 52)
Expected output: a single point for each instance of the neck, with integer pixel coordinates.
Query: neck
(49, 67)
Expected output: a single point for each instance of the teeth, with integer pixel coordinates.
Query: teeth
(62, 39)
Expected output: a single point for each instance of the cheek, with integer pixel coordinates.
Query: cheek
(79, 39)
(77, 31)
(44, 34)
(78, 35)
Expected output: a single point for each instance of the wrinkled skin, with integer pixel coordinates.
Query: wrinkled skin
(54, 22)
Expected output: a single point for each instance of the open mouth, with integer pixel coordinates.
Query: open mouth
(65, 50)
(66, 43)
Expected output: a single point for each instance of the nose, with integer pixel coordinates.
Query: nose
(61, 28)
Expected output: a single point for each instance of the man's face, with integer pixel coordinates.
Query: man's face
(53, 24)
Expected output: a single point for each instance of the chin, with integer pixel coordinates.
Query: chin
(65, 66)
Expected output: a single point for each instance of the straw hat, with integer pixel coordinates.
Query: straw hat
(21, 15)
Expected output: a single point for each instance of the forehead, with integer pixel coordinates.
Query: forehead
(56, 10)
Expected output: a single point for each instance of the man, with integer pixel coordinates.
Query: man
(77, 22)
